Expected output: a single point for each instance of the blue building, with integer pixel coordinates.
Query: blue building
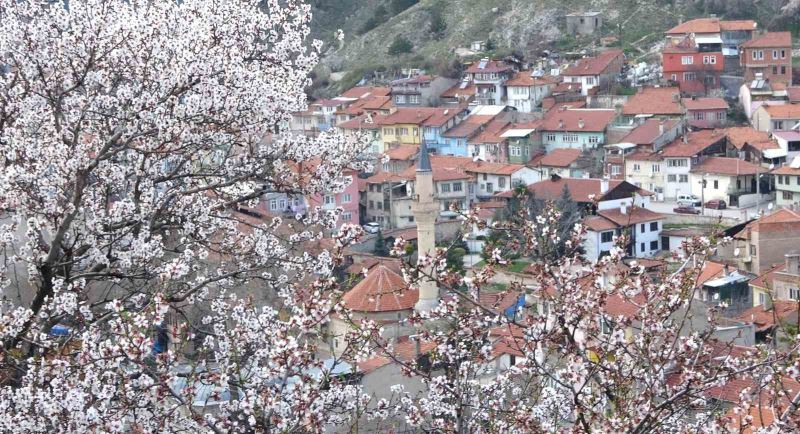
(435, 127)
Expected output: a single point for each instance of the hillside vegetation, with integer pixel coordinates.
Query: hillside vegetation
(435, 28)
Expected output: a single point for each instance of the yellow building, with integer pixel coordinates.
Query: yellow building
(404, 126)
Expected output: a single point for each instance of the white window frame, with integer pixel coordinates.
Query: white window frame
(687, 60)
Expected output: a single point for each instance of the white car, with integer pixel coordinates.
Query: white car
(372, 227)
(689, 200)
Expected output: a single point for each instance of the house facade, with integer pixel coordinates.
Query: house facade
(768, 56)
(419, 91)
(489, 77)
(524, 140)
(599, 70)
(526, 91)
(646, 170)
(642, 226)
(706, 112)
(562, 162)
(764, 242)
(682, 154)
(347, 200)
(696, 70)
(787, 186)
(575, 128)
(725, 179)
(771, 118)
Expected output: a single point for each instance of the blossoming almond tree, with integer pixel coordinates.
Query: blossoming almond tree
(131, 132)
(610, 348)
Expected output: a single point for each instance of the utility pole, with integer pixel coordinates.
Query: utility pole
(703, 195)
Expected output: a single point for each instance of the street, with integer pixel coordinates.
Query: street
(741, 214)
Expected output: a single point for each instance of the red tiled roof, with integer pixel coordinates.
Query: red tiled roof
(492, 168)
(561, 157)
(565, 87)
(382, 290)
(499, 301)
(697, 141)
(769, 40)
(704, 104)
(655, 101)
(441, 116)
(360, 123)
(402, 152)
(617, 306)
(410, 115)
(699, 25)
(456, 90)
(766, 279)
(593, 65)
(727, 166)
(599, 223)
(492, 132)
(491, 66)
(709, 271)
(740, 136)
(444, 169)
(786, 170)
(644, 156)
(785, 111)
(382, 177)
(468, 126)
(394, 264)
(524, 78)
(632, 216)
(580, 188)
(594, 120)
(404, 350)
(362, 91)
(648, 132)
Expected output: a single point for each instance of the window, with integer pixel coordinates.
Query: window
(716, 184)
(616, 169)
(777, 125)
(606, 237)
(672, 178)
(656, 168)
(709, 60)
(399, 99)
(753, 251)
(282, 204)
(346, 198)
(653, 226)
(444, 188)
(683, 178)
(774, 70)
(709, 80)
(687, 60)
(774, 54)
(550, 137)
(636, 167)
(413, 99)
(380, 205)
(388, 131)
(653, 245)
(485, 177)
(794, 293)
(762, 298)
(273, 205)
(594, 139)
(673, 77)
(783, 70)
(738, 184)
(457, 186)
(569, 138)
(641, 247)
(371, 204)
(797, 179)
(677, 162)
(501, 182)
(721, 116)
(606, 326)
(758, 54)
(415, 131)
(411, 219)
(402, 131)
(346, 216)
(514, 151)
(689, 76)
(783, 54)
(489, 187)
(642, 229)
(589, 80)
(787, 195)
(699, 116)
(329, 199)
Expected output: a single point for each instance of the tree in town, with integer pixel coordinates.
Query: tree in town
(380, 249)
(438, 25)
(400, 45)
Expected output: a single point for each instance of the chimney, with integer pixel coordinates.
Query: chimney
(560, 123)
(581, 124)
(686, 138)
(603, 185)
(623, 208)
(661, 127)
(676, 97)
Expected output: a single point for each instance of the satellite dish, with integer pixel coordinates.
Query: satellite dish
(770, 206)
(736, 252)
(716, 296)
(771, 166)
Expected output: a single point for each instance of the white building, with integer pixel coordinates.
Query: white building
(526, 91)
(642, 226)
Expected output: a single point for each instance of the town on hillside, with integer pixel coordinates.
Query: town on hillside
(711, 145)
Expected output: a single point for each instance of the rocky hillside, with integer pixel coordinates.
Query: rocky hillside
(432, 30)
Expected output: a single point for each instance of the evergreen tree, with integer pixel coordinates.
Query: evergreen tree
(438, 24)
(380, 249)
(570, 216)
(400, 45)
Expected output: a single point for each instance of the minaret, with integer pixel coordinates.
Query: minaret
(425, 211)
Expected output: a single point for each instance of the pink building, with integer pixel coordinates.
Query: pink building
(705, 112)
(347, 200)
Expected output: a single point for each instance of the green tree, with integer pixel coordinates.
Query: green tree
(381, 248)
(438, 24)
(378, 17)
(400, 45)
(401, 5)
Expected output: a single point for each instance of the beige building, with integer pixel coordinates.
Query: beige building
(763, 243)
(729, 179)
(771, 118)
(645, 170)
(787, 186)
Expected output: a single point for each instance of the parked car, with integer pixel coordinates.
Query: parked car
(716, 204)
(686, 210)
(689, 199)
(372, 227)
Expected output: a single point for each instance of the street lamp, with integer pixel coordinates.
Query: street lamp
(703, 183)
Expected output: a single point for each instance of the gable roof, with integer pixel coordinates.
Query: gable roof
(697, 141)
(590, 120)
(741, 136)
(560, 157)
(362, 91)
(440, 116)
(727, 166)
(593, 65)
(737, 25)
(469, 126)
(648, 132)
(699, 25)
(766, 279)
(599, 223)
(655, 101)
(765, 319)
(489, 66)
(710, 270)
(458, 91)
(769, 40)
(492, 132)
(776, 221)
(785, 111)
(382, 290)
(402, 152)
(704, 103)
(579, 188)
(360, 122)
(793, 92)
(633, 215)
(524, 78)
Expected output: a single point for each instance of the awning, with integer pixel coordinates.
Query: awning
(622, 146)
(774, 153)
(707, 40)
(730, 52)
(789, 136)
(734, 277)
(522, 132)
